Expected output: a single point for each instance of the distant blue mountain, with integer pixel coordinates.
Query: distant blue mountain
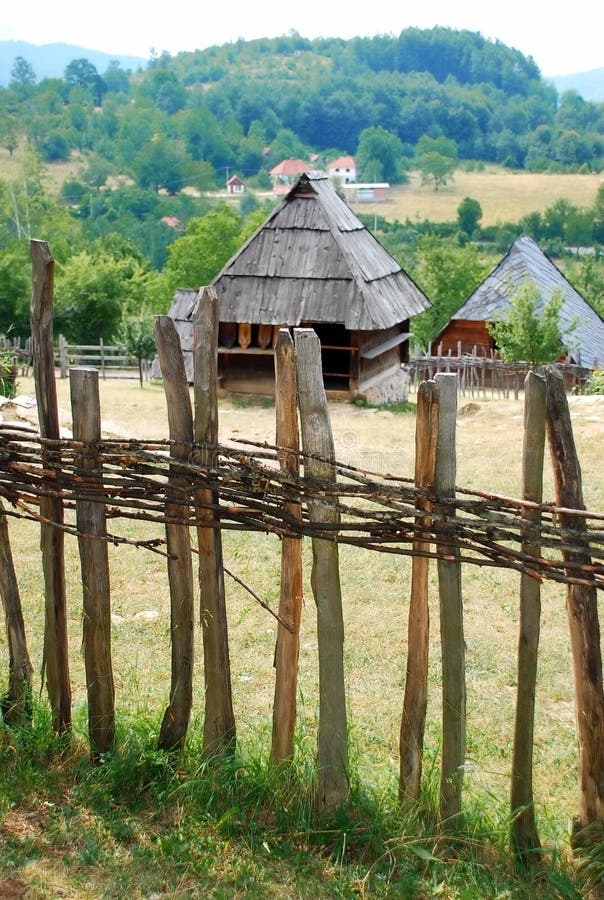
(590, 85)
(50, 60)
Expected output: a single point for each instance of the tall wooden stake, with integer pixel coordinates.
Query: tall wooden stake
(416, 683)
(290, 600)
(56, 659)
(582, 607)
(317, 441)
(524, 835)
(219, 723)
(94, 559)
(16, 704)
(180, 563)
(451, 616)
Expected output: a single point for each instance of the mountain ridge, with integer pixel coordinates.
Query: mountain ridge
(50, 60)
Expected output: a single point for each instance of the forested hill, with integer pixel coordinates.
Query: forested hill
(242, 107)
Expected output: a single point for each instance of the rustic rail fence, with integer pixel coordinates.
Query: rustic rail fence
(482, 375)
(191, 484)
(109, 359)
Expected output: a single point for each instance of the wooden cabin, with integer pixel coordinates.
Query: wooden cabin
(312, 264)
(466, 332)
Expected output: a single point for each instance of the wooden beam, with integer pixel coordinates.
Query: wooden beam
(583, 620)
(290, 598)
(524, 835)
(94, 560)
(180, 561)
(416, 682)
(319, 463)
(219, 720)
(451, 617)
(56, 657)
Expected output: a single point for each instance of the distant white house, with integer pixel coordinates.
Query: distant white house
(342, 170)
(235, 185)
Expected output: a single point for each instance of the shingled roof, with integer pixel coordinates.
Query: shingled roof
(526, 262)
(314, 261)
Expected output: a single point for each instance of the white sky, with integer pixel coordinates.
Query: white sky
(561, 39)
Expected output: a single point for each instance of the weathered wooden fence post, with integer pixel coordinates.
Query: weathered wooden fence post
(582, 607)
(219, 723)
(451, 613)
(524, 835)
(56, 659)
(63, 356)
(290, 600)
(319, 459)
(416, 683)
(94, 559)
(180, 563)
(16, 704)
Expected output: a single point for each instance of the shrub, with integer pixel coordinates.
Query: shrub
(595, 383)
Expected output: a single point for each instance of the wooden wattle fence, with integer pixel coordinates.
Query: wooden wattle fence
(479, 374)
(190, 485)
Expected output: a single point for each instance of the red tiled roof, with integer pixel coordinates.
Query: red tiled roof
(342, 162)
(290, 167)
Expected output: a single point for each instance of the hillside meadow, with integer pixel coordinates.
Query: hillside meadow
(104, 860)
(504, 195)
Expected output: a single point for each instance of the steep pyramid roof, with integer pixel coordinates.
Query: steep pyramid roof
(314, 261)
(526, 262)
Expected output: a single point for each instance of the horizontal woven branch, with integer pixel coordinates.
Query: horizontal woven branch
(379, 511)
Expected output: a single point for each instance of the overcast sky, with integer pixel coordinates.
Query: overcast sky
(561, 39)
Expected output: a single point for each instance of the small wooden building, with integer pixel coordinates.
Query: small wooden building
(523, 263)
(312, 264)
(235, 185)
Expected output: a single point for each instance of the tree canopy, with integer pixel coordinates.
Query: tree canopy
(524, 335)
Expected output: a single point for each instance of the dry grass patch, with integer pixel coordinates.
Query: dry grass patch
(504, 195)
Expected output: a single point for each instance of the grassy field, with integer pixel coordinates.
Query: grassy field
(137, 827)
(504, 195)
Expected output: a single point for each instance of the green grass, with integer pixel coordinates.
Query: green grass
(141, 823)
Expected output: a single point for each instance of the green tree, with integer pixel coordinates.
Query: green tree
(209, 242)
(527, 335)
(161, 163)
(379, 146)
(598, 216)
(22, 78)
(586, 273)
(9, 132)
(135, 336)
(436, 160)
(83, 74)
(98, 286)
(469, 214)
(447, 273)
(15, 288)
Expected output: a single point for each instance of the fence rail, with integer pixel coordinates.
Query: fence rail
(110, 359)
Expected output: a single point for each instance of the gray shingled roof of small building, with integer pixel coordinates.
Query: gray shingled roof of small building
(181, 309)
(526, 262)
(314, 261)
